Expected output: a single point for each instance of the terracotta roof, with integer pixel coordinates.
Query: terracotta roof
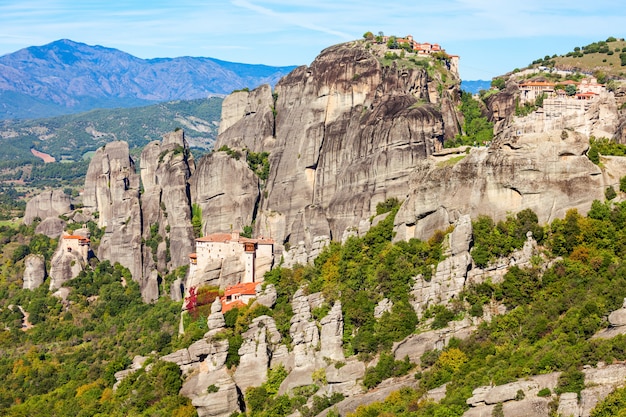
(193, 256)
(83, 238)
(216, 237)
(247, 288)
(229, 306)
(228, 237)
(537, 84)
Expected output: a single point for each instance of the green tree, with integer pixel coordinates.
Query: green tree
(570, 89)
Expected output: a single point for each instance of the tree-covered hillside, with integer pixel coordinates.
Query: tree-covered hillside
(64, 364)
(604, 58)
(68, 138)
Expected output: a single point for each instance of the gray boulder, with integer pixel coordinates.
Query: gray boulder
(34, 271)
(50, 203)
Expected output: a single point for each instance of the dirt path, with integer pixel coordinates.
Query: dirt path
(46, 158)
(26, 325)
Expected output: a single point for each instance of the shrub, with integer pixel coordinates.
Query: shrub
(610, 193)
(544, 392)
(622, 184)
(386, 367)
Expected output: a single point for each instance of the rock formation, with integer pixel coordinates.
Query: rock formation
(51, 227)
(165, 203)
(51, 203)
(449, 278)
(69, 259)
(548, 173)
(227, 192)
(343, 135)
(203, 362)
(617, 324)
(259, 341)
(112, 191)
(34, 271)
(520, 398)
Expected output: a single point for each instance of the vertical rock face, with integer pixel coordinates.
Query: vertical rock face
(64, 266)
(226, 190)
(261, 339)
(548, 173)
(331, 335)
(112, 190)
(50, 203)
(451, 273)
(343, 135)
(166, 205)
(34, 272)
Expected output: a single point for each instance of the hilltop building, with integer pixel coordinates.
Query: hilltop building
(256, 256)
(425, 49)
(587, 89)
(238, 295)
(78, 245)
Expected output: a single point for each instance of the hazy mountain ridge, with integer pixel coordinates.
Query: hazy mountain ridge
(68, 77)
(70, 136)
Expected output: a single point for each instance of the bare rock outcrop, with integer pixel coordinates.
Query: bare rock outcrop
(51, 227)
(331, 334)
(112, 190)
(520, 398)
(34, 271)
(450, 275)
(343, 135)
(166, 167)
(51, 203)
(227, 192)
(259, 341)
(548, 173)
(617, 324)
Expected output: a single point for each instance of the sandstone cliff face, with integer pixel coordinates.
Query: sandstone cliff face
(548, 173)
(50, 203)
(112, 190)
(34, 271)
(165, 203)
(226, 190)
(343, 135)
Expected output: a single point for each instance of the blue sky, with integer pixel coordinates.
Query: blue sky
(492, 37)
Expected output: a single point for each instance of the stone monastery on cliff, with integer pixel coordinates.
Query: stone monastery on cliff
(256, 255)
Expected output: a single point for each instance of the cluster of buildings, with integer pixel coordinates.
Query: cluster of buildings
(424, 49)
(586, 89)
(419, 48)
(256, 256)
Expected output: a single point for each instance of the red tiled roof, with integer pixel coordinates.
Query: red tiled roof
(246, 288)
(228, 237)
(537, 84)
(76, 237)
(229, 306)
(216, 237)
(193, 256)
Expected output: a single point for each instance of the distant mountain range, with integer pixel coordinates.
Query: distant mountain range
(69, 137)
(66, 77)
